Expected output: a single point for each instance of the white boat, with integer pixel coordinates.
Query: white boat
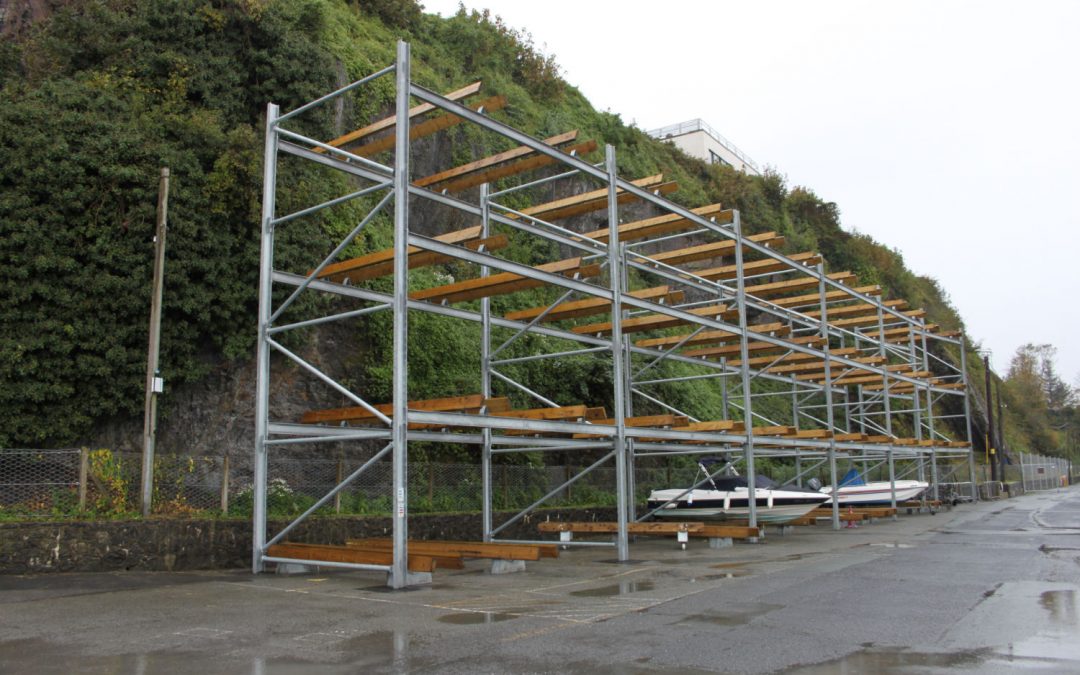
(727, 498)
(854, 491)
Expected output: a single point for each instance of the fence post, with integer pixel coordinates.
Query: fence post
(84, 470)
(340, 478)
(225, 484)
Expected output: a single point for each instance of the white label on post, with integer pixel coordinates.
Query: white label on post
(159, 385)
(401, 502)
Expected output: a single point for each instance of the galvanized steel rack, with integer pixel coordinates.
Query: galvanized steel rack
(767, 324)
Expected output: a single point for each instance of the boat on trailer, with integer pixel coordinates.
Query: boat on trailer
(727, 498)
(855, 491)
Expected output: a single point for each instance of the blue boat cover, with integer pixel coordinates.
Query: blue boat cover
(852, 477)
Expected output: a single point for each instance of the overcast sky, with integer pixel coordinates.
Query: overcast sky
(945, 129)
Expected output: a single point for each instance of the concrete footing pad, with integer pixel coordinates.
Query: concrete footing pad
(507, 566)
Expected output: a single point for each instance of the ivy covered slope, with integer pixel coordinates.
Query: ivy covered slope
(102, 93)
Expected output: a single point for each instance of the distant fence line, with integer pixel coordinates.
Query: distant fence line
(81, 482)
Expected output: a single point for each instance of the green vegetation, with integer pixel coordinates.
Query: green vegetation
(102, 93)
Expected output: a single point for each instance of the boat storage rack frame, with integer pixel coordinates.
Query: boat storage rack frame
(852, 364)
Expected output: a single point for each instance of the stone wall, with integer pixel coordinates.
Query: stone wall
(168, 545)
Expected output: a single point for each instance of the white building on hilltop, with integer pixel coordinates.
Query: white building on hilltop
(698, 139)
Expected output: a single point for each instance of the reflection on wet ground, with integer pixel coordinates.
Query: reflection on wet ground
(468, 618)
(1019, 634)
(621, 588)
(733, 615)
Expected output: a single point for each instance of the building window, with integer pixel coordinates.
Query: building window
(717, 159)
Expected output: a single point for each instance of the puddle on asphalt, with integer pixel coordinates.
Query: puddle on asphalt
(1047, 640)
(621, 588)
(894, 661)
(728, 573)
(890, 544)
(732, 616)
(471, 618)
(1062, 607)
(385, 651)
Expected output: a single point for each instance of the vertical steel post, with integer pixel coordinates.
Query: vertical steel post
(485, 367)
(930, 420)
(618, 381)
(916, 402)
(829, 417)
(967, 418)
(628, 388)
(795, 403)
(153, 372)
(400, 423)
(888, 406)
(262, 385)
(862, 411)
(725, 412)
(744, 368)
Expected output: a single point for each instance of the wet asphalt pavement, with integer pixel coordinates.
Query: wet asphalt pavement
(983, 588)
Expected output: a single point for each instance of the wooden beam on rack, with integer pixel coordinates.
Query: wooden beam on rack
(326, 553)
(781, 287)
(464, 549)
(470, 404)
(791, 357)
(874, 377)
(502, 283)
(567, 412)
(847, 438)
(513, 168)
(712, 336)
(903, 332)
(480, 165)
(715, 426)
(714, 249)
(765, 266)
(774, 431)
(648, 322)
(648, 421)
(814, 298)
(873, 319)
(427, 127)
(857, 309)
(391, 122)
(729, 350)
(592, 306)
(818, 365)
(381, 263)
(662, 225)
(842, 372)
(595, 200)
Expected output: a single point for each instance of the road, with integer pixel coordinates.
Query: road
(983, 588)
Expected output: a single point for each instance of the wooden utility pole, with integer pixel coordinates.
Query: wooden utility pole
(990, 422)
(1001, 434)
(154, 383)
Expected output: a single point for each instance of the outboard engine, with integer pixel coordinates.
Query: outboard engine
(813, 484)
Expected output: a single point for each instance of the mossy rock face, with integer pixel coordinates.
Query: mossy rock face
(98, 96)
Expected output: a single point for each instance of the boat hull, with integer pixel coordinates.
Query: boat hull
(773, 506)
(876, 493)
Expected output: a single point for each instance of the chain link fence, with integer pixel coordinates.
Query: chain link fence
(81, 483)
(100, 483)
